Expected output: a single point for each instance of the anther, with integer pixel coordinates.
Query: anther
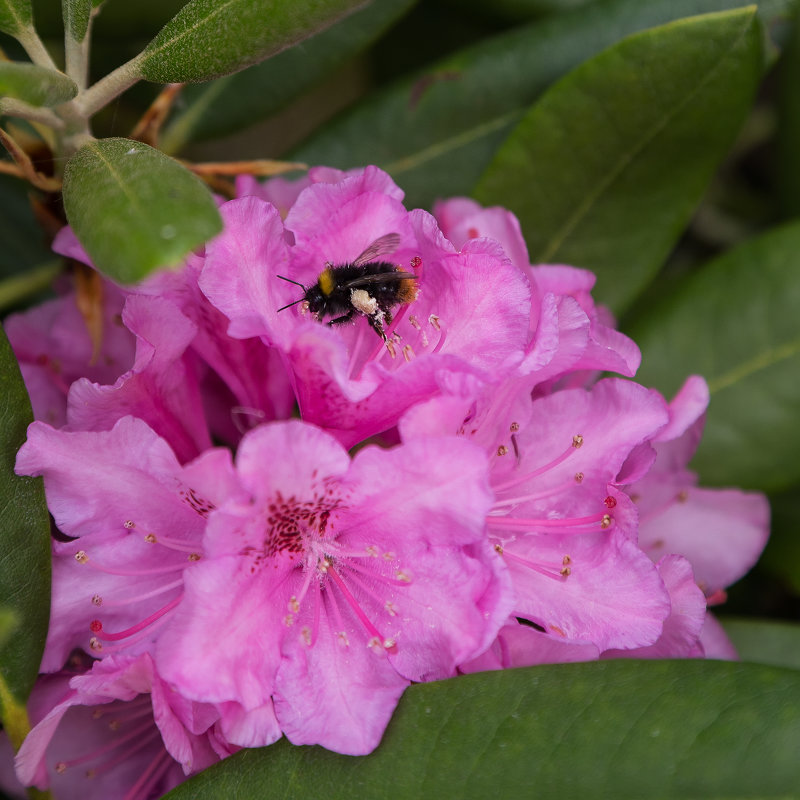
(434, 320)
(389, 608)
(565, 572)
(606, 521)
(578, 477)
(151, 538)
(412, 320)
(95, 644)
(683, 496)
(408, 352)
(577, 440)
(403, 576)
(82, 557)
(129, 523)
(502, 450)
(390, 347)
(514, 427)
(498, 548)
(97, 600)
(194, 557)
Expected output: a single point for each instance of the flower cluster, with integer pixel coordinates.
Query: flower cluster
(461, 492)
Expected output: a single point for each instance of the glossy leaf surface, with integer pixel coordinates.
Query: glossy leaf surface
(437, 132)
(606, 169)
(736, 322)
(36, 85)
(15, 15)
(25, 561)
(622, 729)
(135, 209)
(210, 38)
(233, 102)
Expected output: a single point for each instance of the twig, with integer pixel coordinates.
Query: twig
(25, 165)
(149, 126)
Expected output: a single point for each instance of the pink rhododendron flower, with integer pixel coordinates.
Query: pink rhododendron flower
(182, 342)
(346, 580)
(567, 534)
(721, 531)
(521, 510)
(161, 388)
(54, 347)
(346, 379)
(137, 516)
(570, 333)
(116, 731)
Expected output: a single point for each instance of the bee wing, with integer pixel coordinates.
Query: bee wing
(380, 247)
(380, 278)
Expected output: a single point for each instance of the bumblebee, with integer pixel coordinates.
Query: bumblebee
(365, 287)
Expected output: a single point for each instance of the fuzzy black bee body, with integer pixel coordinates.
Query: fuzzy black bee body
(364, 287)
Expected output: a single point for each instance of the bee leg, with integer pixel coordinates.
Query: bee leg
(343, 319)
(376, 324)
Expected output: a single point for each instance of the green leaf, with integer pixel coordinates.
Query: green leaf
(210, 38)
(764, 641)
(76, 15)
(25, 563)
(15, 16)
(605, 170)
(36, 85)
(231, 103)
(622, 730)
(436, 132)
(736, 322)
(135, 209)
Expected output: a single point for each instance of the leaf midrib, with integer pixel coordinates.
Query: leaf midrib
(583, 208)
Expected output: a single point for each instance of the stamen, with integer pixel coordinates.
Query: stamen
(83, 558)
(97, 627)
(150, 776)
(386, 644)
(97, 600)
(182, 546)
(541, 470)
(63, 766)
(565, 525)
(555, 571)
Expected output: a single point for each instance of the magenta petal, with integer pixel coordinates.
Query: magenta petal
(519, 645)
(339, 697)
(254, 728)
(462, 219)
(222, 642)
(161, 388)
(613, 598)
(240, 269)
(688, 611)
(721, 531)
(715, 641)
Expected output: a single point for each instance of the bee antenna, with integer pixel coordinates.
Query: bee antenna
(289, 305)
(289, 280)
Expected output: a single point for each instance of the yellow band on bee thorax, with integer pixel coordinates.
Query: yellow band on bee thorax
(326, 282)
